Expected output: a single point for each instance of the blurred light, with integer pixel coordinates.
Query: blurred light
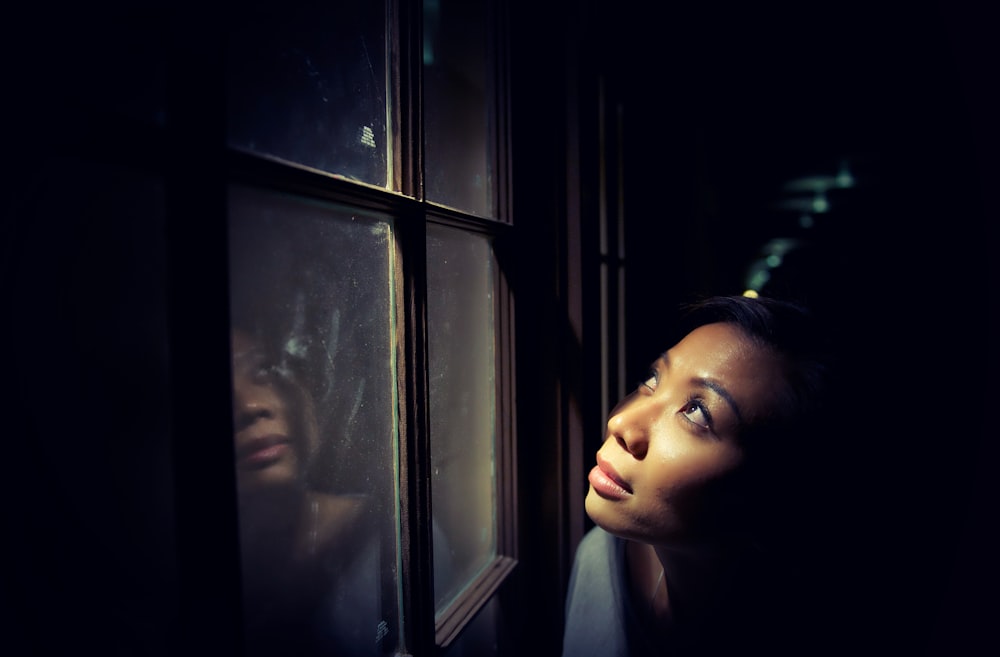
(820, 204)
(816, 204)
(806, 220)
(845, 178)
(773, 261)
(779, 246)
(759, 279)
(751, 293)
(810, 184)
(820, 183)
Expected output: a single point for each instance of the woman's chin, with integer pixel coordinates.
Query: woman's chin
(605, 513)
(277, 477)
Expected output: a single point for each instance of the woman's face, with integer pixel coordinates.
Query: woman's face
(671, 445)
(267, 449)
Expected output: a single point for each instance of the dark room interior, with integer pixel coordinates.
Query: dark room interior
(840, 154)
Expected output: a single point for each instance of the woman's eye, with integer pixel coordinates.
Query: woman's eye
(650, 382)
(265, 372)
(696, 414)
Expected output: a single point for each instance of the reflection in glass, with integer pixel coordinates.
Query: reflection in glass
(462, 394)
(459, 94)
(314, 442)
(307, 84)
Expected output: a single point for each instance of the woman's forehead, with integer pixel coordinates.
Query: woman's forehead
(751, 372)
(719, 343)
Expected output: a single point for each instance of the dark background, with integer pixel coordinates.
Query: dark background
(724, 104)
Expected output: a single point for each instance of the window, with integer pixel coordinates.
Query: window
(373, 469)
(263, 266)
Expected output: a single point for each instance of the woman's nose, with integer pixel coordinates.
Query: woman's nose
(250, 403)
(629, 427)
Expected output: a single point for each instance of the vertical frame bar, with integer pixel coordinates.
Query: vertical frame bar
(417, 577)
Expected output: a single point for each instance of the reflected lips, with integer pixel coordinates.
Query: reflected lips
(608, 483)
(261, 452)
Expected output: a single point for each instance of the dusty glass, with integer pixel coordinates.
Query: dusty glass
(308, 84)
(459, 96)
(315, 425)
(462, 406)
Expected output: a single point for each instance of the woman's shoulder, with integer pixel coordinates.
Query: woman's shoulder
(597, 550)
(595, 621)
(339, 522)
(598, 570)
(598, 540)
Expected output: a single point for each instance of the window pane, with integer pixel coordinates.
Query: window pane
(315, 438)
(462, 394)
(458, 102)
(307, 83)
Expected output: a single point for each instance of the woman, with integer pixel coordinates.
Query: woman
(309, 565)
(693, 488)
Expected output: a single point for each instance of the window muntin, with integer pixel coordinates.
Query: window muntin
(315, 423)
(461, 337)
(308, 84)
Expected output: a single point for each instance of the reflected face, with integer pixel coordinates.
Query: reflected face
(671, 445)
(267, 449)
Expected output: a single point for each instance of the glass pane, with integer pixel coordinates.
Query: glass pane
(458, 105)
(462, 396)
(307, 83)
(315, 441)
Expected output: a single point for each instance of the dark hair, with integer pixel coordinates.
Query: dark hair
(791, 331)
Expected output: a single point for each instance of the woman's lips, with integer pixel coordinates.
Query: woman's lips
(262, 452)
(606, 482)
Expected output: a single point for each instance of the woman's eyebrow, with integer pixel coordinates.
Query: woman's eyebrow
(712, 385)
